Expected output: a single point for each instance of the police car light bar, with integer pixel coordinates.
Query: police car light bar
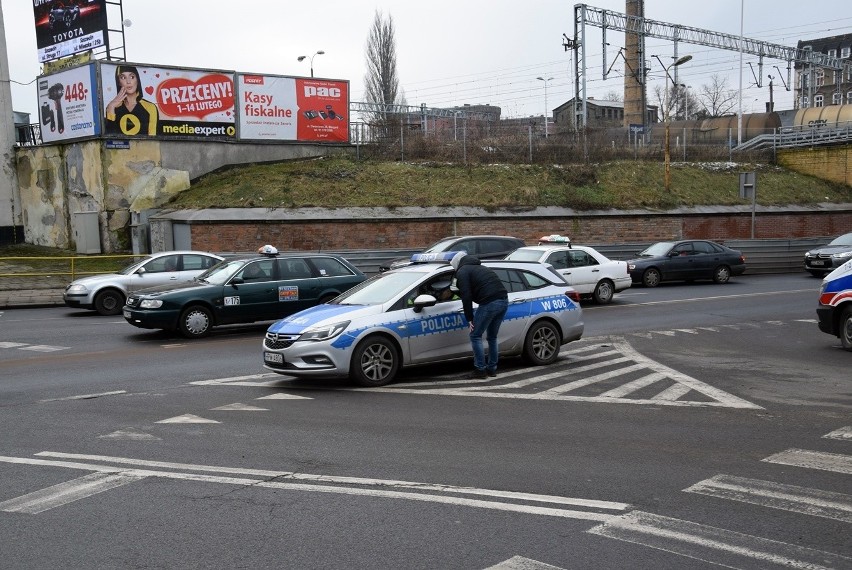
(440, 257)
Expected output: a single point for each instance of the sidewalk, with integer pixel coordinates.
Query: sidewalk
(30, 292)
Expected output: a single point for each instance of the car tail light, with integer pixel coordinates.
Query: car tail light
(573, 295)
(742, 258)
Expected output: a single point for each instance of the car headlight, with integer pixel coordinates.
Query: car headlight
(842, 255)
(326, 332)
(77, 289)
(631, 266)
(150, 304)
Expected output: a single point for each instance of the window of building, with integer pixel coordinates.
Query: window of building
(845, 51)
(818, 100)
(805, 102)
(832, 53)
(837, 99)
(849, 97)
(819, 78)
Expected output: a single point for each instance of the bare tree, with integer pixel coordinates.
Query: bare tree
(715, 98)
(613, 96)
(381, 79)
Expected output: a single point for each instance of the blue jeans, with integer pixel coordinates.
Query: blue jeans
(487, 319)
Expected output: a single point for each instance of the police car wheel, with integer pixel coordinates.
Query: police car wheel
(722, 274)
(195, 322)
(375, 362)
(846, 329)
(542, 344)
(651, 277)
(604, 292)
(109, 302)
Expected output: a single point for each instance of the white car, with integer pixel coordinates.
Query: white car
(395, 320)
(106, 293)
(587, 270)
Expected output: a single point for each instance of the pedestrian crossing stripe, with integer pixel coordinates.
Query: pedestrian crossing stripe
(33, 347)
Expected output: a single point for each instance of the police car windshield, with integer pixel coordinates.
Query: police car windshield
(221, 272)
(381, 288)
(524, 255)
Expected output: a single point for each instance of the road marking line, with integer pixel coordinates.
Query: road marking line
(68, 492)
(666, 333)
(673, 392)
(545, 377)
(131, 434)
(833, 462)
(844, 434)
(283, 396)
(382, 492)
(634, 386)
(521, 563)
(237, 380)
(559, 390)
(811, 321)
(238, 407)
(713, 545)
(825, 504)
(688, 331)
(187, 419)
(44, 348)
(11, 344)
(86, 396)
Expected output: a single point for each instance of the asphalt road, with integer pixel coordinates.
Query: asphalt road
(693, 426)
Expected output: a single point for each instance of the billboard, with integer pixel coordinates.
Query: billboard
(162, 102)
(293, 109)
(68, 104)
(66, 27)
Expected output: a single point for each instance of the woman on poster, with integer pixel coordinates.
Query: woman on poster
(130, 114)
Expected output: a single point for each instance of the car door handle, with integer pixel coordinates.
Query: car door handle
(596, 270)
(173, 278)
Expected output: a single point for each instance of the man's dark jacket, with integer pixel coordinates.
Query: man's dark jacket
(477, 284)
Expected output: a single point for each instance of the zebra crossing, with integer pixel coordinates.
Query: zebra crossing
(738, 550)
(609, 371)
(32, 347)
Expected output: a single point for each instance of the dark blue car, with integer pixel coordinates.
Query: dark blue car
(686, 260)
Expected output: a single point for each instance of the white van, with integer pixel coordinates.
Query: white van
(835, 304)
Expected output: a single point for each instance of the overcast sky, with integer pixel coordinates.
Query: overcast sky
(448, 52)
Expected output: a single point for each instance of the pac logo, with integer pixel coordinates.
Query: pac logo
(312, 91)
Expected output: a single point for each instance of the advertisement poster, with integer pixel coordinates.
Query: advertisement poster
(66, 27)
(68, 104)
(293, 109)
(167, 102)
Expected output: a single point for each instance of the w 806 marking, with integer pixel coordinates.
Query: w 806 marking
(554, 304)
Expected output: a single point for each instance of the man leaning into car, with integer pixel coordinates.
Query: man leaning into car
(479, 284)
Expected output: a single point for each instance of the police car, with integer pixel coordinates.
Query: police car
(835, 304)
(410, 316)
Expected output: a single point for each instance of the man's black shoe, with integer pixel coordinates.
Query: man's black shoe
(491, 373)
(477, 374)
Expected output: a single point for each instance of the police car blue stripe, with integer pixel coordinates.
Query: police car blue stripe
(298, 322)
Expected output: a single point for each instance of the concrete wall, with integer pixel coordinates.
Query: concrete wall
(56, 181)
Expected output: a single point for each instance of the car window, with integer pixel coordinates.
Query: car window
(198, 262)
(294, 268)
(438, 287)
(704, 247)
(163, 264)
(467, 245)
(581, 259)
(845, 239)
(683, 249)
(257, 271)
(330, 267)
(493, 246)
(659, 248)
(379, 289)
(524, 255)
(558, 259)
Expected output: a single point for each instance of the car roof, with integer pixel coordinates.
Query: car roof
(554, 247)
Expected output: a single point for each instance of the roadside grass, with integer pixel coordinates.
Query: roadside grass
(342, 182)
(19, 259)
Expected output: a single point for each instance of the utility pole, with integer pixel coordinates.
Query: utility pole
(10, 214)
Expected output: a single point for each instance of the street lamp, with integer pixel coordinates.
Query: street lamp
(302, 58)
(546, 111)
(679, 61)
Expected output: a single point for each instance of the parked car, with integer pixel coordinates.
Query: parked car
(483, 247)
(395, 320)
(823, 260)
(834, 312)
(106, 293)
(686, 260)
(243, 290)
(591, 273)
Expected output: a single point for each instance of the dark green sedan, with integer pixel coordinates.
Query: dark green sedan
(243, 290)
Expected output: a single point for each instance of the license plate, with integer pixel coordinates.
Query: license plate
(126, 314)
(817, 262)
(273, 357)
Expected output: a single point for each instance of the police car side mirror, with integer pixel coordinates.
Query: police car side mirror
(424, 301)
